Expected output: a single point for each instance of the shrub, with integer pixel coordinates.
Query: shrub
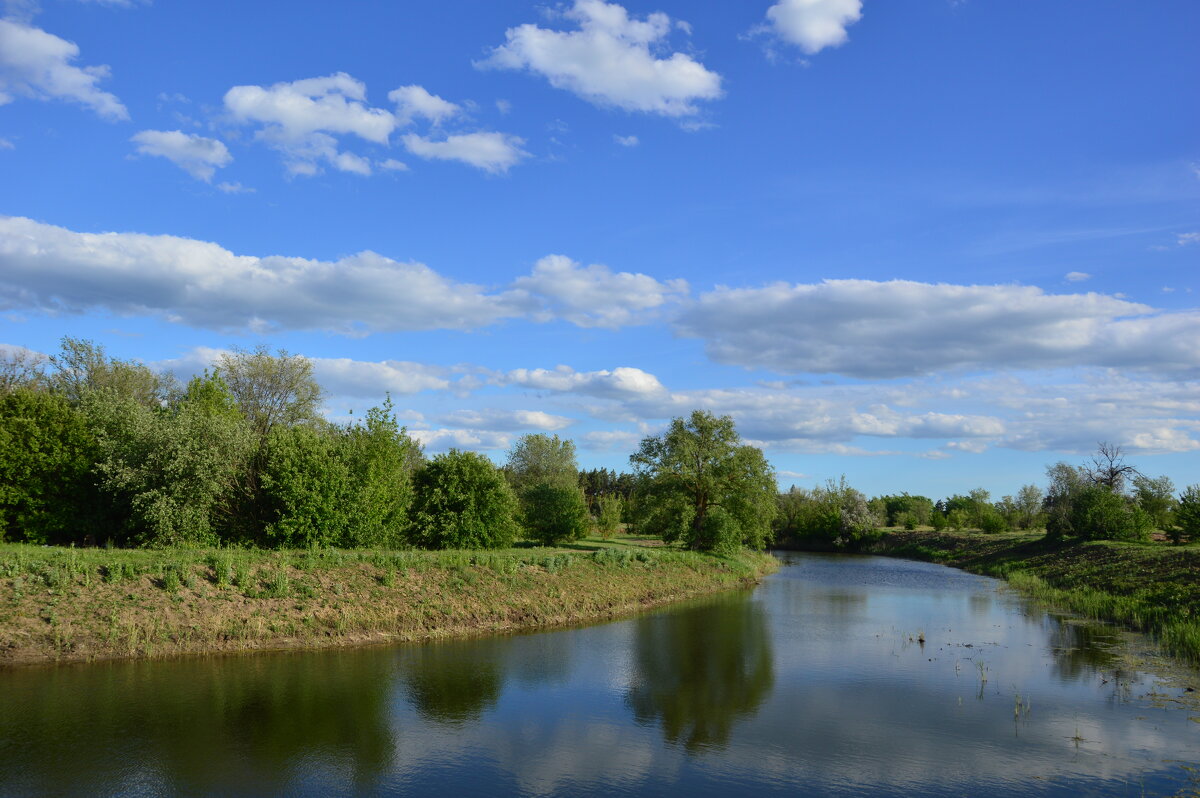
(1187, 516)
(554, 513)
(462, 501)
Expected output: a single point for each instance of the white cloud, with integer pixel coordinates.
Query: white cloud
(200, 157)
(5, 144)
(610, 440)
(506, 420)
(868, 329)
(813, 24)
(595, 296)
(610, 60)
(299, 119)
(621, 382)
(37, 64)
(198, 283)
(234, 188)
(1078, 277)
(626, 141)
(439, 440)
(492, 152)
(392, 165)
(1184, 239)
(414, 101)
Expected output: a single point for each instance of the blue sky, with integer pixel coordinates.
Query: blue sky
(931, 245)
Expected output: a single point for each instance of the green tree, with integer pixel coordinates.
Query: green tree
(173, 470)
(608, 519)
(1155, 495)
(553, 514)
(1066, 483)
(271, 389)
(1100, 514)
(21, 368)
(1028, 506)
(540, 459)
(82, 366)
(381, 459)
(307, 489)
(1187, 516)
(47, 491)
(699, 484)
(462, 501)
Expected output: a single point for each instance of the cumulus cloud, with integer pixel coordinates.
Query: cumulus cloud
(415, 101)
(610, 60)
(626, 141)
(200, 157)
(619, 383)
(37, 64)
(300, 118)
(492, 152)
(595, 296)
(813, 25)
(1078, 277)
(439, 440)
(49, 268)
(868, 329)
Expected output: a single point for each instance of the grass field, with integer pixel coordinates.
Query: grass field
(81, 604)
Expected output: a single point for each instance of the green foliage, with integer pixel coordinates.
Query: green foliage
(271, 390)
(1186, 524)
(554, 513)
(381, 459)
(834, 514)
(21, 368)
(1156, 496)
(608, 519)
(699, 484)
(1100, 514)
(307, 488)
(902, 509)
(47, 492)
(993, 523)
(541, 460)
(81, 367)
(173, 470)
(1066, 483)
(462, 501)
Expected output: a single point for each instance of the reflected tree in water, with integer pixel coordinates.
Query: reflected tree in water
(454, 682)
(1081, 649)
(697, 672)
(223, 726)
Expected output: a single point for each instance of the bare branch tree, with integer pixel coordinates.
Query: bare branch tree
(1108, 467)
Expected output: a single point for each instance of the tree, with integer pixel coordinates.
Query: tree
(1157, 497)
(306, 489)
(1066, 483)
(21, 368)
(462, 501)
(1028, 507)
(1187, 516)
(1108, 467)
(82, 366)
(1101, 514)
(608, 519)
(173, 470)
(538, 459)
(699, 484)
(47, 491)
(271, 389)
(381, 459)
(554, 513)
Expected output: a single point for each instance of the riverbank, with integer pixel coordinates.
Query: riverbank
(61, 605)
(1148, 587)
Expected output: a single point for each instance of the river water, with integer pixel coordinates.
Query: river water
(814, 683)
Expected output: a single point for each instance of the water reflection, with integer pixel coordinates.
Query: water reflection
(1081, 648)
(698, 671)
(453, 682)
(202, 726)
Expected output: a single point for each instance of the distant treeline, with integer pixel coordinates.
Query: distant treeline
(95, 450)
(1104, 499)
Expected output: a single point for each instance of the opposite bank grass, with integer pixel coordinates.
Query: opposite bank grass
(82, 604)
(1149, 587)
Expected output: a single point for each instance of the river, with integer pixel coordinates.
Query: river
(837, 676)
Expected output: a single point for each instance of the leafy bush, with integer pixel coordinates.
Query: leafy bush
(462, 501)
(1187, 516)
(554, 513)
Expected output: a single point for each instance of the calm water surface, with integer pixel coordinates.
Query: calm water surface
(812, 684)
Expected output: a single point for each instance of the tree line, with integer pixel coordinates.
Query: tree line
(98, 450)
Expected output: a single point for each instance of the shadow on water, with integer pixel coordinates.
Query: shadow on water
(698, 671)
(221, 725)
(1081, 648)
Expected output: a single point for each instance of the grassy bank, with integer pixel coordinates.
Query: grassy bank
(1149, 587)
(83, 604)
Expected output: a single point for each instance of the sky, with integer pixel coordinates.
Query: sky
(932, 246)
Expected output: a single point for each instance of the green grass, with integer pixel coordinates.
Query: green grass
(69, 604)
(1148, 587)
